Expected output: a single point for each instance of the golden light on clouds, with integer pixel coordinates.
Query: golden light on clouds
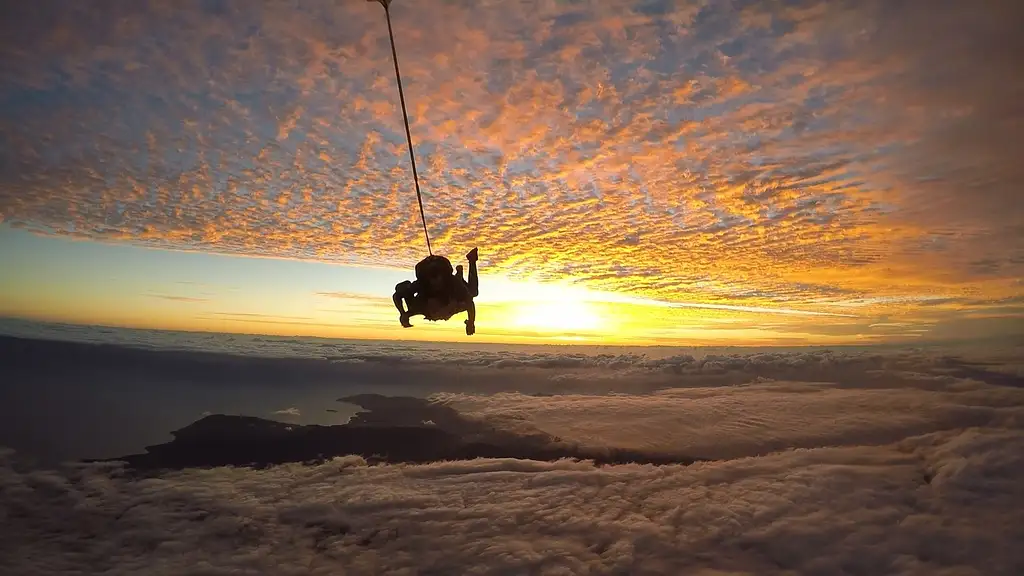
(765, 156)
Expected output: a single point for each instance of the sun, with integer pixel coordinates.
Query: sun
(558, 316)
(558, 310)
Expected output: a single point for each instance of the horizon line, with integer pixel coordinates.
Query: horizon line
(564, 343)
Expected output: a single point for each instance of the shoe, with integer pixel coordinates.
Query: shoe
(470, 328)
(405, 321)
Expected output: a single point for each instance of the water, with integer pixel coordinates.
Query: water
(65, 398)
(71, 392)
(97, 392)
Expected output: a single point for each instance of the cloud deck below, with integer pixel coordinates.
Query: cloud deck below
(941, 503)
(816, 462)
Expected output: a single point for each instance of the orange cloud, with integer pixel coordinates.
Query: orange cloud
(768, 156)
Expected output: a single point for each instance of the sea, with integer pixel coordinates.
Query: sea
(71, 392)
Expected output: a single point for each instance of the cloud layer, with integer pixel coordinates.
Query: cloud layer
(942, 503)
(825, 462)
(809, 153)
(757, 418)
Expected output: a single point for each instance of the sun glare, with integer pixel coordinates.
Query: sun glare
(558, 316)
(557, 309)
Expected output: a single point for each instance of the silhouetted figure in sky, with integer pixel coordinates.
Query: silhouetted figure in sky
(438, 293)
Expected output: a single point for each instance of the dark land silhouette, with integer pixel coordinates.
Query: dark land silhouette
(107, 401)
(394, 429)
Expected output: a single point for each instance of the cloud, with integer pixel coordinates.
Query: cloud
(687, 367)
(756, 418)
(872, 461)
(353, 299)
(268, 360)
(861, 509)
(257, 318)
(756, 154)
(177, 298)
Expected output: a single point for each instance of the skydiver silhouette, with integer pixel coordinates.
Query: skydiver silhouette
(438, 293)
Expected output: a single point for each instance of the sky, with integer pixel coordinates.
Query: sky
(645, 172)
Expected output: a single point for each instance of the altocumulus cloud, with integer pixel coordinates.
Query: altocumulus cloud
(748, 153)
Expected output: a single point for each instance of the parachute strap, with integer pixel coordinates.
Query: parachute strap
(405, 116)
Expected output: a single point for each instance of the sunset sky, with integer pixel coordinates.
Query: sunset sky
(632, 172)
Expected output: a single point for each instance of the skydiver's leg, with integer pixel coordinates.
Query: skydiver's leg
(471, 318)
(405, 291)
(474, 280)
(403, 316)
(402, 289)
(473, 288)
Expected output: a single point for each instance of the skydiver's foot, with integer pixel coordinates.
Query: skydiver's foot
(470, 328)
(404, 319)
(472, 255)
